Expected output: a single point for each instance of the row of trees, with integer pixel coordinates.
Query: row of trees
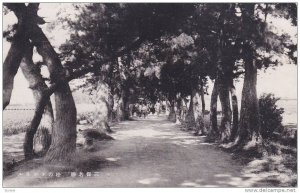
(158, 51)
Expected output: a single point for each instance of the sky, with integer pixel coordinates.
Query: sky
(282, 81)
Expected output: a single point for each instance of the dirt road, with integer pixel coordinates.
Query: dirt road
(150, 152)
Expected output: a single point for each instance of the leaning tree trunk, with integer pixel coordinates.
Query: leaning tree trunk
(249, 128)
(63, 143)
(225, 127)
(13, 59)
(37, 84)
(213, 133)
(235, 112)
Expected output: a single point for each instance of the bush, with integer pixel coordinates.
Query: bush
(270, 115)
(88, 116)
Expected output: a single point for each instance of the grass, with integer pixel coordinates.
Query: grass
(15, 122)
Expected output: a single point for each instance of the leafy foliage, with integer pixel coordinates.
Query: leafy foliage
(270, 115)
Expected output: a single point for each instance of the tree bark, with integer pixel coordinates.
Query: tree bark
(15, 54)
(100, 122)
(100, 96)
(37, 84)
(110, 106)
(64, 132)
(202, 100)
(190, 118)
(225, 127)
(178, 110)
(213, 111)
(117, 104)
(172, 114)
(124, 105)
(249, 119)
(198, 115)
(235, 112)
(35, 122)
(184, 110)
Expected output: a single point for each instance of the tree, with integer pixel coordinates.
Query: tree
(256, 36)
(64, 131)
(15, 54)
(98, 37)
(36, 82)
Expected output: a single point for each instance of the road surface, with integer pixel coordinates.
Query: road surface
(151, 152)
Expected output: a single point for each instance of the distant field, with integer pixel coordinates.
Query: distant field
(16, 118)
(16, 121)
(290, 111)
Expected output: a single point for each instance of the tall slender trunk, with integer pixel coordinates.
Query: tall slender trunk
(184, 110)
(172, 114)
(249, 128)
(190, 118)
(178, 110)
(235, 112)
(213, 111)
(37, 84)
(118, 103)
(225, 127)
(110, 107)
(124, 105)
(202, 99)
(198, 115)
(63, 143)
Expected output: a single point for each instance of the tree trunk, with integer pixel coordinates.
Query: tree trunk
(37, 84)
(178, 110)
(198, 115)
(110, 107)
(13, 59)
(117, 107)
(213, 133)
(225, 127)
(124, 108)
(184, 110)
(202, 100)
(124, 105)
(172, 114)
(249, 119)
(190, 118)
(100, 96)
(64, 131)
(100, 122)
(35, 122)
(235, 112)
